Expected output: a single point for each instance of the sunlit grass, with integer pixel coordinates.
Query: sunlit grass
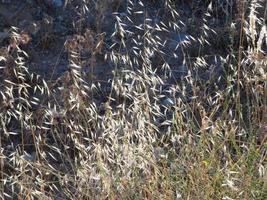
(201, 136)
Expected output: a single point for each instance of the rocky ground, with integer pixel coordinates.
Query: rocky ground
(58, 33)
(51, 23)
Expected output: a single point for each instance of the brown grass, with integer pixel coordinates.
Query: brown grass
(197, 137)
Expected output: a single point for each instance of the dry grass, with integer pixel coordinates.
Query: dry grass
(202, 137)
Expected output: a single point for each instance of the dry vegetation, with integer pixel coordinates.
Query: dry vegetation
(153, 136)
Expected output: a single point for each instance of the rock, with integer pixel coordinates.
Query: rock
(3, 21)
(29, 156)
(186, 7)
(54, 3)
(6, 1)
(167, 102)
(177, 39)
(38, 14)
(57, 3)
(4, 35)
